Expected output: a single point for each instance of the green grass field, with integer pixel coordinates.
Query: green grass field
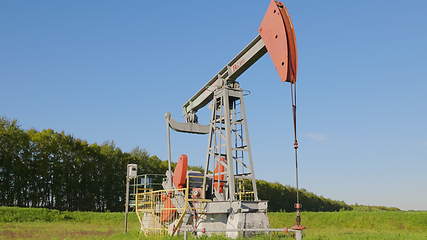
(20, 223)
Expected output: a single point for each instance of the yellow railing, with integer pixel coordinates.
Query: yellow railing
(158, 210)
(243, 194)
(164, 211)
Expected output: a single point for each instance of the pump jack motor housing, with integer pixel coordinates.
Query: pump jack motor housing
(224, 197)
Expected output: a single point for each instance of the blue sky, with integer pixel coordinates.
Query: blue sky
(109, 70)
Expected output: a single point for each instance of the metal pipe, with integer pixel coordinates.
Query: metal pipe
(298, 233)
(127, 204)
(168, 139)
(249, 230)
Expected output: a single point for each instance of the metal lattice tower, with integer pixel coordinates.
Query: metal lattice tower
(229, 143)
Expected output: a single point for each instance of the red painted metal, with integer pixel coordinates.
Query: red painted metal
(180, 173)
(298, 227)
(219, 169)
(167, 213)
(278, 34)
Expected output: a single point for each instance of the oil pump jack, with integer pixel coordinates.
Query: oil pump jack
(223, 197)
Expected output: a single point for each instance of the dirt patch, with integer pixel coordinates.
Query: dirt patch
(88, 233)
(7, 234)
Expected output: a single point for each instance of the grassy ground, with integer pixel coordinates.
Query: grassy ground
(37, 224)
(387, 225)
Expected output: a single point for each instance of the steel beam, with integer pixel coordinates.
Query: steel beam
(229, 73)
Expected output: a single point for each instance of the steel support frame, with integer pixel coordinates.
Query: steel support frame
(220, 142)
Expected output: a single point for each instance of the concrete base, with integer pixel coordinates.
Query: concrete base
(220, 216)
(256, 220)
(212, 221)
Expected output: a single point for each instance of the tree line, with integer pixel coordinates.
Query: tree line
(56, 170)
